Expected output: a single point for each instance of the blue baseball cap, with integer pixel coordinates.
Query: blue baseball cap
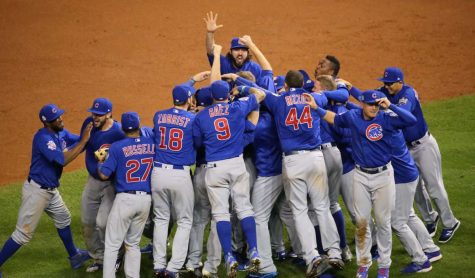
(50, 112)
(392, 74)
(101, 106)
(371, 96)
(279, 82)
(220, 90)
(308, 83)
(235, 44)
(203, 96)
(182, 92)
(130, 121)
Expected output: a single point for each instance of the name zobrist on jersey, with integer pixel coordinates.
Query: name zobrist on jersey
(138, 149)
(173, 119)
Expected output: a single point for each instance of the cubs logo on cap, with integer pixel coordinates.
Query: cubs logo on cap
(392, 74)
(371, 96)
(101, 106)
(50, 112)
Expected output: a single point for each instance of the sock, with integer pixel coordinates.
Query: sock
(67, 238)
(248, 225)
(319, 240)
(340, 225)
(8, 250)
(223, 229)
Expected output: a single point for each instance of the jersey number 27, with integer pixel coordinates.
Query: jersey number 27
(292, 118)
(135, 165)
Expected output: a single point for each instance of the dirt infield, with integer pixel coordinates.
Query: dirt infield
(133, 52)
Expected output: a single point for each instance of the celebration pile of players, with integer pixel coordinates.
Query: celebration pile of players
(269, 152)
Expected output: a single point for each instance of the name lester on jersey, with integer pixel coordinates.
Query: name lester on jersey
(173, 120)
(138, 149)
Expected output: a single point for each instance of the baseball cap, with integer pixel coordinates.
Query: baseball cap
(50, 112)
(308, 83)
(371, 96)
(101, 106)
(182, 92)
(220, 90)
(235, 44)
(392, 74)
(130, 121)
(203, 96)
(279, 82)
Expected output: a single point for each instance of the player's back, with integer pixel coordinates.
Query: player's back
(134, 162)
(297, 124)
(173, 130)
(221, 127)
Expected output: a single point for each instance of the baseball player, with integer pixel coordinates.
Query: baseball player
(172, 188)
(98, 195)
(304, 171)
(372, 133)
(220, 128)
(238, 57)
(423, 148)
(337, 95)
(131, 160)
(53, 148)
(328, 65)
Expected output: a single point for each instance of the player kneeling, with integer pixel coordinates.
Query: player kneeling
(131, 160)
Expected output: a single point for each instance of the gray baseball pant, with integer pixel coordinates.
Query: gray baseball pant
(125, 225)
(96, 203)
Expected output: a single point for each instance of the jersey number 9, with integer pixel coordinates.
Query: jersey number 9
(221, 126)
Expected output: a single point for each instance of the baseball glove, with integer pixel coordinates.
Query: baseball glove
(101, 154)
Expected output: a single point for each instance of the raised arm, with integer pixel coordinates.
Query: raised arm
(261, 59)
(211, 27)
(405, 118)
(327, 115)
(74, 152)
(246, 90)
(216, 67)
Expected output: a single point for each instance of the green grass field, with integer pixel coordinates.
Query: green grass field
(452, 124)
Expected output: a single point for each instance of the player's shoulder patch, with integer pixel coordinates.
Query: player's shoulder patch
(390, 113)
(403, 101)
(244, 99)
(51, 145)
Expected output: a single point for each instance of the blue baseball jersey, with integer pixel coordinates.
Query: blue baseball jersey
(405, 169)
(131, 159)
(228, 67)
(100, 139)
(408, 99)
(173, 130)
(372, 139)
(342, 138)
(147, 132)
(47, 158)
(220, 128)
(339, 95)
(298, 126)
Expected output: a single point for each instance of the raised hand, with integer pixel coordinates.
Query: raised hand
(384, 102)
(201, 76)
(231, 76)
(246, 40)
(210, 21)
(310, 100)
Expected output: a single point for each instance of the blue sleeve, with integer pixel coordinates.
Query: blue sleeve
(320, 99)
(197, 140)
(266, 80)
(350, 105)
(270, 101)
(110, 165)
(189, 83)
(338, 95)
(249, 126)
(407, 102)
(147, 132)
(244, 82)
(70, 138)
(249, 133)
(355, 92)
(51, 151)
(248, 104)
(404, 118)
(342, 120)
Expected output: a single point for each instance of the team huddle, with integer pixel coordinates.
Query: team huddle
(249, 155)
